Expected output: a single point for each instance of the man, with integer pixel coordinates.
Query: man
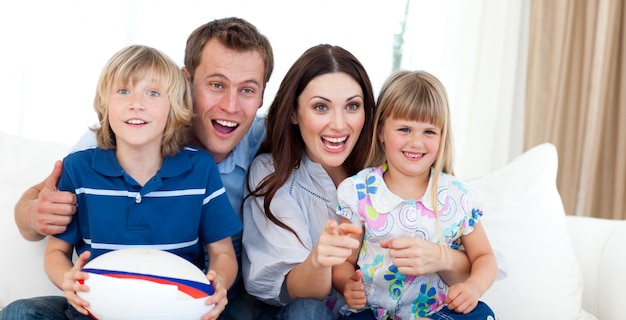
(228, 64)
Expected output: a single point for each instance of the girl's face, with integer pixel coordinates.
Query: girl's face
(330, 115)
(138, 113)
(411, 147)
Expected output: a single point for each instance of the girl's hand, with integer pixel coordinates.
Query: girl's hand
(354, 291)
(414, 256)
(72, 283)
(219, 298)
(462, 297)
(335, 244)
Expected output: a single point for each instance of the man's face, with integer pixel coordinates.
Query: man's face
(227, 91)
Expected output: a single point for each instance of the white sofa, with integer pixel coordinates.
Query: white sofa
(559, 267)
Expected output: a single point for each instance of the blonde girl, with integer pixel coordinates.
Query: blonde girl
(406, 196)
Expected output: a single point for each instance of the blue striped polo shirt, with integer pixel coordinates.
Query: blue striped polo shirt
(183, 207)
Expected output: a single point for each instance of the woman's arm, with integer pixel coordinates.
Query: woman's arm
(313, 277)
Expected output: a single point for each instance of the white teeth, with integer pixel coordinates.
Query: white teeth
(335, 140)
(226, 123)
(413, 155)
(135, 121)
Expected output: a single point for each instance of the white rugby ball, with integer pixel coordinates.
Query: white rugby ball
(141, 283)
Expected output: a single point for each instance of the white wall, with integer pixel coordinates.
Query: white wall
(53, 51)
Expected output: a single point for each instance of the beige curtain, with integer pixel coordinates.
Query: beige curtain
(576, 99)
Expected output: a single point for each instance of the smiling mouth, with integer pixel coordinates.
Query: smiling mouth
(413, 155)
(135, 121)
(223, 126)
(334, 143)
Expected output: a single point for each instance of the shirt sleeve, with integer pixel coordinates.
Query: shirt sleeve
(71, 233)
(348, 201)
(474, 205)
(270, 250)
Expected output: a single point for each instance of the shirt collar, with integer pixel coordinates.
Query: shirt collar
(105, 162)
(383, 200)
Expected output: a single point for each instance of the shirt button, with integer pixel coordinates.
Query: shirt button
(138, 199)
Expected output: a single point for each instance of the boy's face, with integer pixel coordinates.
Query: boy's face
(227, 91)
(138, 113)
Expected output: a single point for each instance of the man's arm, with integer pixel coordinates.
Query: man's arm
(42, 210)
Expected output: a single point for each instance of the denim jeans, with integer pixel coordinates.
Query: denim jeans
(57, 308)
(481, 312)
(48, 307)
(303, 309)
(299, 309)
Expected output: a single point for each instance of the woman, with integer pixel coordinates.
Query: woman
(319, 129)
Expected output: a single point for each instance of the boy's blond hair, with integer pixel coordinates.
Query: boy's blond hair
(129, 65)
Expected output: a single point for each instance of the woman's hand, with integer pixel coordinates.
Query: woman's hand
(335, 244)
(414, 256)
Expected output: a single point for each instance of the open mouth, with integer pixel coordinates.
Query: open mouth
(334, 143)
(224, 126)
(135, 121)
(413, 155)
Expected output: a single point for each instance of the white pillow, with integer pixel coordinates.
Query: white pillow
(525, 221)
(23, 163)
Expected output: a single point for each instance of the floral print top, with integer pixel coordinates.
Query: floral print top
(365, 200)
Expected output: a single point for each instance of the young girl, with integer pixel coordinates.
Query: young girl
(140, 187)
(409, 195)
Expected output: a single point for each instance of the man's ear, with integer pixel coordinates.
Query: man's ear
(186, 73)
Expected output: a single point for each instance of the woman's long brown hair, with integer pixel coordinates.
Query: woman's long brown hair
(284, 141)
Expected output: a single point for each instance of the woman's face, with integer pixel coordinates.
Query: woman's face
(330, 115)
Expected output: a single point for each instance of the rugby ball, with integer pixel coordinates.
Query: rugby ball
(141, 283)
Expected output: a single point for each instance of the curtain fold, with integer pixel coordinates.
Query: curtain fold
(575, 98)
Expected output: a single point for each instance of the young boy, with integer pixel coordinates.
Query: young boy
(140, 186)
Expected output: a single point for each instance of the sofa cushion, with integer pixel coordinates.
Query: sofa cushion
(23, 163)
(525, 221)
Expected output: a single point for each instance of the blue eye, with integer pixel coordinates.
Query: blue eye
(123, 91)
(154, 93)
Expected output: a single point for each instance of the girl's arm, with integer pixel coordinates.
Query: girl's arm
(464, 296)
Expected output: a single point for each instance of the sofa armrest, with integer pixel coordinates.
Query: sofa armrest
(598, 245)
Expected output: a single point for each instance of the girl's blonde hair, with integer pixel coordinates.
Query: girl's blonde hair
(128, 66)
(415, 96)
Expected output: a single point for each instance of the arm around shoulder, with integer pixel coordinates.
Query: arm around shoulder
(42, 210)
(26, 213)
